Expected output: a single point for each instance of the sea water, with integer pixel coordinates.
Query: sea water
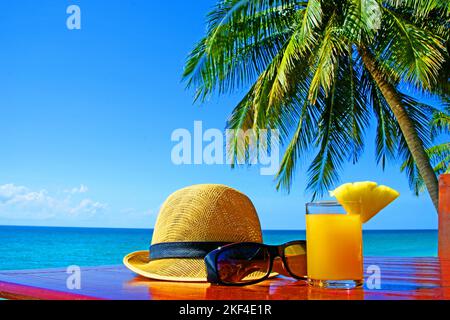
(48, 247)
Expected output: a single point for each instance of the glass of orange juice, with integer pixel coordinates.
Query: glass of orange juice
(334, 246)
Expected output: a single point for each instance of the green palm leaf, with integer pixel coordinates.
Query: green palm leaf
(362, 19)
(421, 114)
(340, 130)
(305, 66)
(415, 54)
(242, 38)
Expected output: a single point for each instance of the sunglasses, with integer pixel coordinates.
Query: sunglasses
(242, 264)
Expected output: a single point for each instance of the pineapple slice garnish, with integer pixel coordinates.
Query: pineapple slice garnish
(364, 198)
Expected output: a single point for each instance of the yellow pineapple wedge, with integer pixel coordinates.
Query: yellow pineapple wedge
(364, 198)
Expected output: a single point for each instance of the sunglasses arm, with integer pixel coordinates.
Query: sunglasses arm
(211, 270)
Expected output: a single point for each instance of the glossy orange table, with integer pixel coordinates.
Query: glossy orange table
(401, 278)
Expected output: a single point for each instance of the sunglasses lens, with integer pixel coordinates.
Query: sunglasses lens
(242, 264)
(295, 256)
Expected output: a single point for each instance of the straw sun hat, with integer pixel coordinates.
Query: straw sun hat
(200, 216)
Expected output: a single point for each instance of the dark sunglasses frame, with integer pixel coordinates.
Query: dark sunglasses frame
(274, 252)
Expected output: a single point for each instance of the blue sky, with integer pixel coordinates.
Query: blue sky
(87, 117)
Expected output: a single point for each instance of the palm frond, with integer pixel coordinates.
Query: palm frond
(310, 21)
(340, 130)
(357, 99)
(440, 122)
(420, 115)
(323, 171)
(324, 61)
(421, 8)
(306, 79)
(362, 20)
(386, 134)
(242, 37)
(301, 141)
(240, 120)
(299, 47)
(440, 157)
(253, 111)
(440, 154)
(415, 54)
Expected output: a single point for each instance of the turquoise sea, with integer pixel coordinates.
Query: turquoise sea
(46, 247)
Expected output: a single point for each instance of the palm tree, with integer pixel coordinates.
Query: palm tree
(319, 70)
(439, 154)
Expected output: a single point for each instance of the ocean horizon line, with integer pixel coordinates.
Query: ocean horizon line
(149, 229)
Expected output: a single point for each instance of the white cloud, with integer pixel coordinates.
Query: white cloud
(88, 206)
(22, 202)
(81, 189)
(8, 191)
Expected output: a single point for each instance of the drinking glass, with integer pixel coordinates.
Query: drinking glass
(334, 246)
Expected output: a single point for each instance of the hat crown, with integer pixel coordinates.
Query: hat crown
(205, 213)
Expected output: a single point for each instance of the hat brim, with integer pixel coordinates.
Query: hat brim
(183, 270)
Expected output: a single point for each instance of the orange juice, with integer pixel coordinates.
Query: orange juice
(334, 244)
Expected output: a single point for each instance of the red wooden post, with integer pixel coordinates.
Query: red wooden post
(444, 216)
